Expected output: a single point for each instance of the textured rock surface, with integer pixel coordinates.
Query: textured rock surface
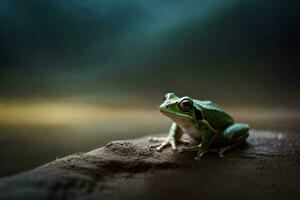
(266, 167)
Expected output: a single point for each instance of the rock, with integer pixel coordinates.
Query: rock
(266, 167)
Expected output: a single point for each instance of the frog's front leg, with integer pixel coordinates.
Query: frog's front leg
(207, 139)
(174, 136)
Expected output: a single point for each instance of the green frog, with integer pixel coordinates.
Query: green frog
(204, 121)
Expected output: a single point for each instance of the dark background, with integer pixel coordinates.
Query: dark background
(77, 74)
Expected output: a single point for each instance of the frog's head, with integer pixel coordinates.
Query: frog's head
(179, 107)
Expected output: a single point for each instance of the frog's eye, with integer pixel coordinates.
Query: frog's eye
(186, 105)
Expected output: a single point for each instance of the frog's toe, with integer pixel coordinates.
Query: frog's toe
(183, 141)
(221, 153)
(157, 139)
(180, 150)
(200, 153)
(166, 143)
(192, 148)
(222, 150)
(154, 145)
(173, 145)
(197, 158)
(159, 148)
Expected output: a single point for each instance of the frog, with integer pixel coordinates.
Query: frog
(204, 121)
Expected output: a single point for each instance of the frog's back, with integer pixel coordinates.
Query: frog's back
(214, 114)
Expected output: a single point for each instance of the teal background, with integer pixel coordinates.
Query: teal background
(77, 74)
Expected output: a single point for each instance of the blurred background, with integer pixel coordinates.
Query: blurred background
(75, 75)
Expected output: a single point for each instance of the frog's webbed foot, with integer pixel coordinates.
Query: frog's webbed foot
(220, 151)
(192, 148)
(223, 149)
(200, 152)
(166, 141)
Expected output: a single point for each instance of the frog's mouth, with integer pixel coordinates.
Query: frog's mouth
(173, 115)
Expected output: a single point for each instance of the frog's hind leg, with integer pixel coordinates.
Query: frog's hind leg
(233, 136)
